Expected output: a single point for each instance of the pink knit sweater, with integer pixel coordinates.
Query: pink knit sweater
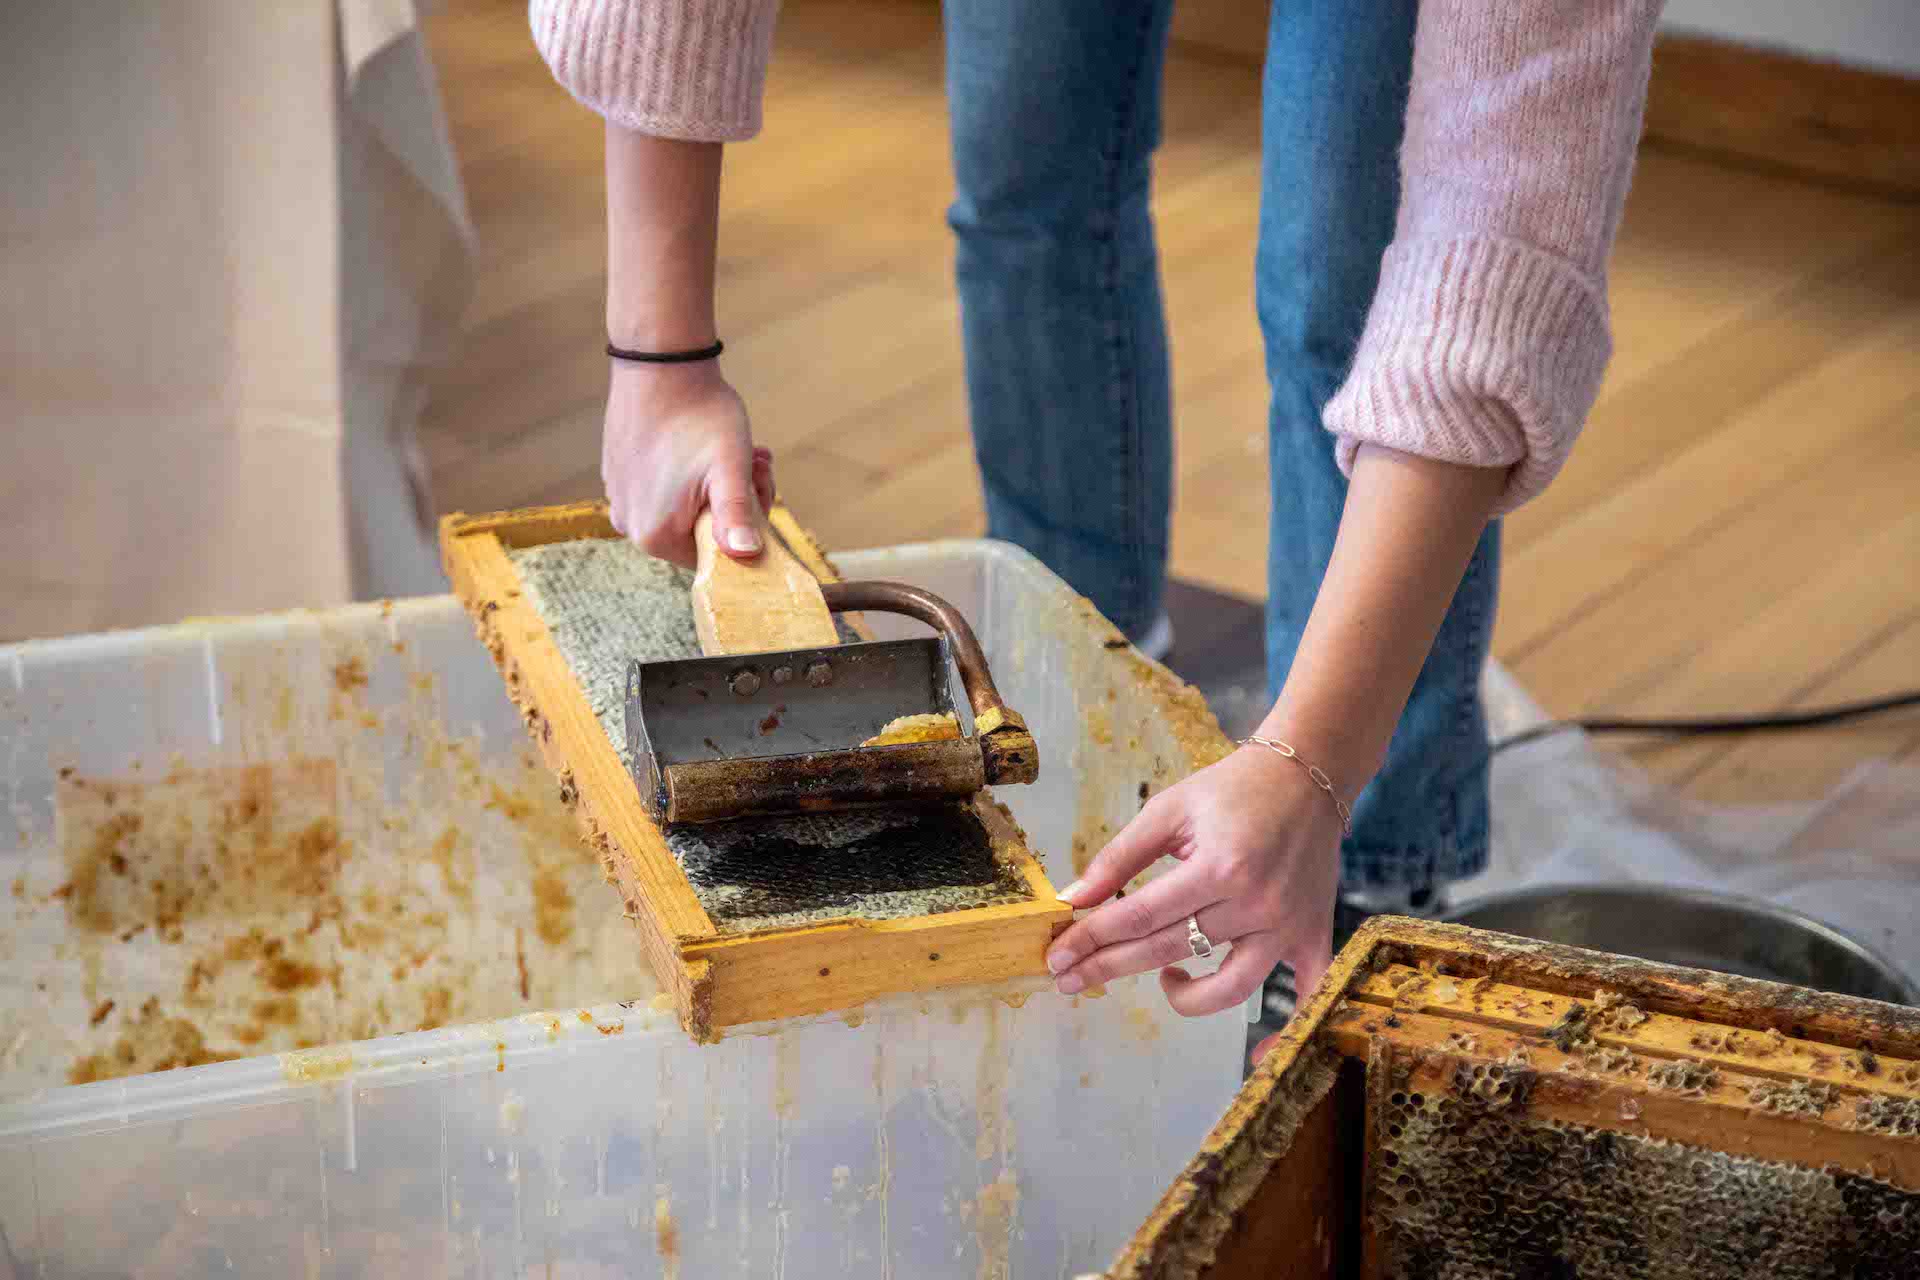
(1488, 334)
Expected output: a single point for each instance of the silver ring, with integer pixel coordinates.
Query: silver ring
(1197, 942)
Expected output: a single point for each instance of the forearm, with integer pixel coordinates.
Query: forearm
(1488, 332)
(663, 218)
(1406, 535)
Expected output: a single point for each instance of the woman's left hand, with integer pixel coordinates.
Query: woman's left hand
(1259, 845)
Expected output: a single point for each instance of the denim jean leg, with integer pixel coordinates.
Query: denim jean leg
(1055, 115)
(1334, 105)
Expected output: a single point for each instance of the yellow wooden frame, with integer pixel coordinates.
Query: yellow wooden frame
(719, 980)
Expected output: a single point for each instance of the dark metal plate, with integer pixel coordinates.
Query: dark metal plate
(790, 704)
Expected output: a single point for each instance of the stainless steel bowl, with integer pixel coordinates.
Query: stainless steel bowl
(1695, 928)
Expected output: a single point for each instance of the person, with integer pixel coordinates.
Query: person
(1441, 185)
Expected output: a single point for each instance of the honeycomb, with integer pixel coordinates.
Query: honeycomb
(1682, 1075)
(1799, 1098)
(1617, 1013)
(1571, 1029)
(761, 873)
(1880, 1114)
(606, 602)
(1465, 1184)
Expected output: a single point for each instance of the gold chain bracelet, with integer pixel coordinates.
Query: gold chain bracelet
(1320, 779)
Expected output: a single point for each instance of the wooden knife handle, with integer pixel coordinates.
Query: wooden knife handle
(752, 606)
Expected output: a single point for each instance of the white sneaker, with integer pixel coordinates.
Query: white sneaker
(1158, 642)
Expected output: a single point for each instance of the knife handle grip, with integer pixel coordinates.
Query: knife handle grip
(754, 606)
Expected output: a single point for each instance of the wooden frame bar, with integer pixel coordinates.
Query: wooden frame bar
(719, 980)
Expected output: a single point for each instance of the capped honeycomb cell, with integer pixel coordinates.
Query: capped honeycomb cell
(1463, 1184)
(1683, 1075)
(1881, 1114)
(1799, 1098)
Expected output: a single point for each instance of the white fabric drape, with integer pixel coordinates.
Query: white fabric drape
(232, 241)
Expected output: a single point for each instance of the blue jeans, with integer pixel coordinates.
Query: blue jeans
(1056, 112)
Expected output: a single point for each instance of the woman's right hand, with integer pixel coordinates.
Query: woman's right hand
(677, 441)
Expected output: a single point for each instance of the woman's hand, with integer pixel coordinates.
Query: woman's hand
(1260, 851)
(676, 442)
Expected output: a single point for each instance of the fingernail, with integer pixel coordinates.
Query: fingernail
(1059, 962)
(1071, 891)
(1071, 985)
(743, 539)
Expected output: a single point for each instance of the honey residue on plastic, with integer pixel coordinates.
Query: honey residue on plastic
(552, 905)
(350, 674)
(151, 1041)
(1143, 1024)
(314, 1065)
(552, 851)
(86, 905)
(990, 1086)
(220, 842)
(246, 892)
(455, 871)
(666, 1237)
(438, 1009)
(993, 1212)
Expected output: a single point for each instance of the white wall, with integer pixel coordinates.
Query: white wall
(1883, 34)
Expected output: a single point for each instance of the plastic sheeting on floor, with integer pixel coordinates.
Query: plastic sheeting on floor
(1566, 812)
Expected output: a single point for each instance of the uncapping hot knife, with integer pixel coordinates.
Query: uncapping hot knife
(781, 717)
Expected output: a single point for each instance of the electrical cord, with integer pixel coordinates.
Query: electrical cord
(1706, 725)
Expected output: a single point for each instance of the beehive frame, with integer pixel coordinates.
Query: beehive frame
(1674, 1062)
(718, 980)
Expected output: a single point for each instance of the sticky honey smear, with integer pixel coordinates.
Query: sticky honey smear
(314, 1065)
(926, 727)
(1142, 729)
(193, 916)
(993, 1213)
(149, 1041)
(666, 1237)
(1464, 1182)
(137, 855)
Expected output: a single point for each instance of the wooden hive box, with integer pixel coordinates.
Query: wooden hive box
(717, 976)
(1455, 1103)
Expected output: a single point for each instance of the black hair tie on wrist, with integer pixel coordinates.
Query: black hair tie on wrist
(666, 357)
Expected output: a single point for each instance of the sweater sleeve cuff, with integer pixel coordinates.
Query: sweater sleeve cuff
(688, 69)
(1480, 351)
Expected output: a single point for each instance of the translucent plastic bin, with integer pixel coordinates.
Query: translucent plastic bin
(574, 1130)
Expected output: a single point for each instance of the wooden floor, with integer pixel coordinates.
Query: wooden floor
(1739, 528)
